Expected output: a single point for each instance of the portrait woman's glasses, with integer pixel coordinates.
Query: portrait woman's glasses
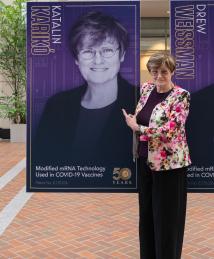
(88, 54)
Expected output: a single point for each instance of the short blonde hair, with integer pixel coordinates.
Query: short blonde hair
(161, 58)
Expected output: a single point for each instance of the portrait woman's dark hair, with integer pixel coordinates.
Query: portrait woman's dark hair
(97, 27)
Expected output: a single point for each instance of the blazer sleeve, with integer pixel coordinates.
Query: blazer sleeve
(176, 120)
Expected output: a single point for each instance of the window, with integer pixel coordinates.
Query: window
(154, 37)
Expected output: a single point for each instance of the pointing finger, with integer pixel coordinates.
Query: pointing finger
(124, 112)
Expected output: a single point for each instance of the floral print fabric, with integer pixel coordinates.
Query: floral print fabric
(167, 145)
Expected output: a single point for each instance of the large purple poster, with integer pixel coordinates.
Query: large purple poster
(192, 42)
(83, 68)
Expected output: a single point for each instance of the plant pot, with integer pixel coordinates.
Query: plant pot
(4, 133)
(17, 132)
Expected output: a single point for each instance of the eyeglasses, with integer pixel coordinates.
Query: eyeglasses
(88, 54)
(156, 72)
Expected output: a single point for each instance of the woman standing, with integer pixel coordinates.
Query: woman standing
(163, 157)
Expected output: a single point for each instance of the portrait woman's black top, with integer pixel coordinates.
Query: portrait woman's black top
(65, 122)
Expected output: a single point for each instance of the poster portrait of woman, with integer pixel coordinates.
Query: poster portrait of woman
(78, 85)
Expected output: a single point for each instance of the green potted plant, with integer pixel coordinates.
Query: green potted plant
(13, 66)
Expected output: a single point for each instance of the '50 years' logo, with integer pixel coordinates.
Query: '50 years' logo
(123, 174)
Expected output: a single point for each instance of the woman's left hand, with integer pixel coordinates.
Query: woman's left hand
(131, 120)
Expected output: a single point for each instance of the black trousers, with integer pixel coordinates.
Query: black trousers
(162, 211)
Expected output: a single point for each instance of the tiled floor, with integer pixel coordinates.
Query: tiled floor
(84, 225)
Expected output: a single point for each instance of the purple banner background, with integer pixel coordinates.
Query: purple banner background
(57, 71)
(192, 43)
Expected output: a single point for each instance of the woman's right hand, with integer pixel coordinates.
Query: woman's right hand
(131, 120)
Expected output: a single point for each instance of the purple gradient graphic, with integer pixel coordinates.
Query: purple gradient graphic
(51, 67)
(192, 41)
(192, 28)
(57, 71)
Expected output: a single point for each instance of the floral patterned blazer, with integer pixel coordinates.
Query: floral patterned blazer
(167, 145)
